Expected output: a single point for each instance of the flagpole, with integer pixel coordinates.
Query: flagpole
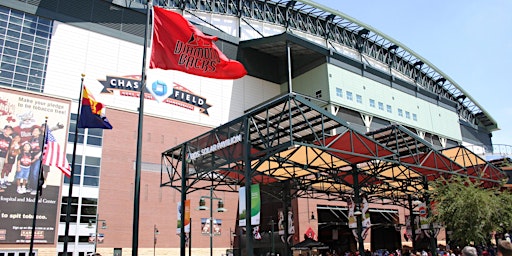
(71, 176)
(39, 187)
(138, 163)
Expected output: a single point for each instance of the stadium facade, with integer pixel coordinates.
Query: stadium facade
(337, 63)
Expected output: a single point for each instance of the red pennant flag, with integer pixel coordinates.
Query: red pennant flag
(178, 45)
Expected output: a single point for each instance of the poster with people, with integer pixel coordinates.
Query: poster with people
(213, 228)
(23, 118)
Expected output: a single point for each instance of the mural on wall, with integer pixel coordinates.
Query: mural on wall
(22, 120)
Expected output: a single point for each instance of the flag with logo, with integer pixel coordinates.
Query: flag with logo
(91, 115)
(54, 154)
(179, 45)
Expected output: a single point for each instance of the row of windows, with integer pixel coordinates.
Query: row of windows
(24, 47)
(88, 209)
(380, 105)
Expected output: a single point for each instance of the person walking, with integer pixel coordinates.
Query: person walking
(504, 248)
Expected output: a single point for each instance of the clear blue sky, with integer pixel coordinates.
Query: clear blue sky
(469, 40)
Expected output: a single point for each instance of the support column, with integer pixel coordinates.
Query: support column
(433, 238)
(411, 222)
(249, 247)
(183, 198)
(357, 203)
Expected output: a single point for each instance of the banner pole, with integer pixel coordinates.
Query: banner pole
(38, 189)
(138, 163)
(72, 174)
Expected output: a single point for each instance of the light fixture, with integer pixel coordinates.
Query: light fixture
(220, 206)
(104, 225)
(312, 216)
(90, 224)
(358, 212)
(202, 205)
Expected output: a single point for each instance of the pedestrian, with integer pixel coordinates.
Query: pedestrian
(504, 248)
(469, 251)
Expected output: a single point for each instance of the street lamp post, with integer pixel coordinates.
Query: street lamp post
(155, 232)
(103, 226)
(203, 207)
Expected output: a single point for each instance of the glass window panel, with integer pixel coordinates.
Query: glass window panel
(70, 238)
(23, 62)
(9, 59)
(14, 34)
(11, 44)
(13, 26)
(83, 239)
(10, 52)
(24, 47)
(92, 171)
(89, 160)
(90, 181)
(7, 74)
(41, 40)
(88, 210)
(7, 66)
(37, 65)
(74, 200)
(20, 77)
(34, 80)
(97, 132)
(94, 141)
(16, 17)
(73, 208)
(38, 58)
(72, 218)
(27, 39)
(86, 200)
(22, 70)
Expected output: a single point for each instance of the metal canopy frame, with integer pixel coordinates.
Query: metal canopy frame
(292, 143)
(292, 139)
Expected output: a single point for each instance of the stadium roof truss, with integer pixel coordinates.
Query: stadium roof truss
(338, 28)
(291, 140)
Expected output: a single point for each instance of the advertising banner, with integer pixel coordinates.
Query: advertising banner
(22, 117)
(187, 217)
(255, 205)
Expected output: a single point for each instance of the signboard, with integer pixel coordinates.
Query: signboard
(21, 116)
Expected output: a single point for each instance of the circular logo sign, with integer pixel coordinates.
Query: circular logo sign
(423, 211)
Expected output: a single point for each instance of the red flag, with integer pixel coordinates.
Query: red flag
(178, 45)
(53, 154)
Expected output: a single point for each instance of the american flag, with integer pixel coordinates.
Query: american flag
(54, 155)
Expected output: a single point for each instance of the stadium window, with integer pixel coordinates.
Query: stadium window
(359, 99)
(26, 42)
(407, 115)
(414, 117)
(381, 106)
(388, 109)
(349, 95)
(400, 112)
(339, 92)
(372, 103)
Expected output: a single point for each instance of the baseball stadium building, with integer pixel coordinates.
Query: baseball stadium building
(332, 114)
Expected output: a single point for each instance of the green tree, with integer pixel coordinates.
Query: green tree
(470, 211)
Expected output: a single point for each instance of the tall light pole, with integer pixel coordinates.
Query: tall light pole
(155, 232)
(103, 226)
(203, 207)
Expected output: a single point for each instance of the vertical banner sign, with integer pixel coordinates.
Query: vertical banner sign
(423, 211)
(187, 217)
(352, 223)
(22, 116)
(215, 227)
(255, 206)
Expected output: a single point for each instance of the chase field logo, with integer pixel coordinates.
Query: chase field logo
(159, 90)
